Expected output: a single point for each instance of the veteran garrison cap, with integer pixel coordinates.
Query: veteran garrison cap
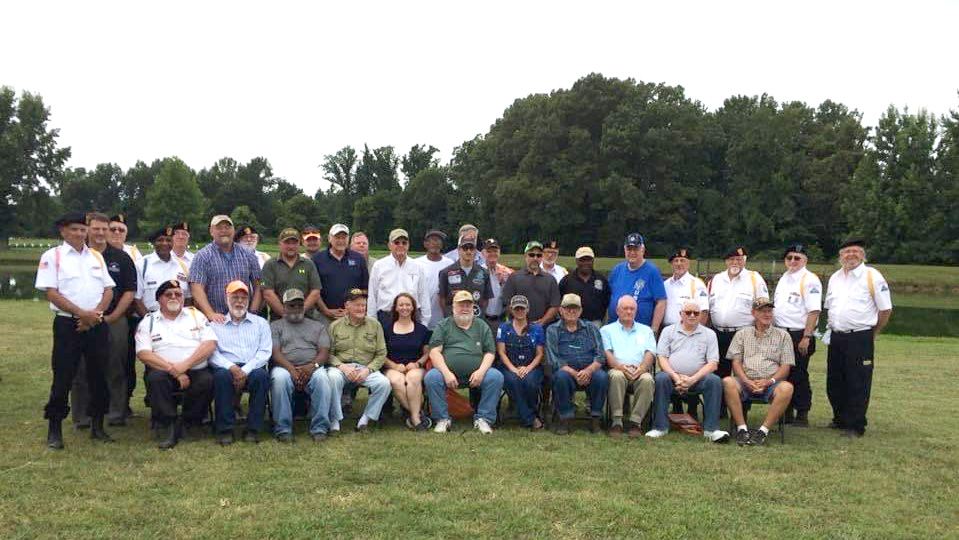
(118, 217)
(243, 231)
(680, 252)
(853, 242)
(736, 251)
(165, 231)
(794, 248)
(182, 226)
(170, 284)
(70, 218)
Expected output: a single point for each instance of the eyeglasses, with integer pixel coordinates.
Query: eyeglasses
(794, 258)
(468, 247)
(689, 313)
(535, 255)
(118, 229)
(172, 294)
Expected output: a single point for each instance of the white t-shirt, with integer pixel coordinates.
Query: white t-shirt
(432, 269)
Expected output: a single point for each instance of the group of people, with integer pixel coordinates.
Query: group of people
(304, 330)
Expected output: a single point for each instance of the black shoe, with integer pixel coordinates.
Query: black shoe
(801, 419)
(789, 415)
(251, 437)
(85, 424)
(562, 427)
(757, 437)
(595, 425)
(225, 438)
(425, 423)
(851, 433)
(835, 424)
(743, 438)
(55, 434)
(97, 432)
(286, 438)
(168, 437)
(319, 437)
(190, 432)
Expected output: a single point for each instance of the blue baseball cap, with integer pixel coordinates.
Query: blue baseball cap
(634, 240)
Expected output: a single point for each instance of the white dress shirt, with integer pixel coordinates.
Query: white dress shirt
(132, 251)
(731, 300)
(852, 303)
(679, 290)
(80, 276)
(797, 295)
(262, 257)
(174, 341)
(388, 279)
(558, 272)
(152, 271)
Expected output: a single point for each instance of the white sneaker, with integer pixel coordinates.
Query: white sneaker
(656, 433)
(442, 426)
(718, 436)
(483, 426)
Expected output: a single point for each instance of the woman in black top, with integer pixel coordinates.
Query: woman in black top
(406, 351)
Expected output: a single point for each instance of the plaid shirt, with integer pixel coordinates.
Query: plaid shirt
(574, 349)
(213, 269)
(763, 354)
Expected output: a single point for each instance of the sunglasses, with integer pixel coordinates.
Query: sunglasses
(118, 229)
(794, 258)
(468, 247)
(400, 242)
(172, 294)
(689, 313)
(535, 255)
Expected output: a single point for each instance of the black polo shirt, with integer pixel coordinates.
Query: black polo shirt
(340, 275)
(540, 289)
(594, 292)
(454, 278)
(123, 272)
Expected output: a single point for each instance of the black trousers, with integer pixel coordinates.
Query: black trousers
(196, 398)
(131, 368)
(799, 374)
(725, 339)
(849, 364)
(70, 347)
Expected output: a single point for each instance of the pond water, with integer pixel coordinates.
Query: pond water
(17, 284)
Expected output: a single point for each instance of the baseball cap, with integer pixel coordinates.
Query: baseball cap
(736, 251)
(634, 240)
(467, 227)
(288, 233)
(519, 301)
(762, 302)
(570, 299)
(466, 241)
(435, 232)
(398, 233)
(795, 248)
(338, 228)
(291, 295)
(585, 251)
(353, 294)
(531, 245)
(220, 218)
(236, 285)
(462, 296)
(680, 252)
(170, 284)
(491, 243)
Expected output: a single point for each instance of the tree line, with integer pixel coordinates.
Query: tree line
(581, 165)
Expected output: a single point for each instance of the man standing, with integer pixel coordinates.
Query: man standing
(395, 274)
(219, 263)
(360, 243)
(301, 347)
(465, 275)
(243, 348)
(630, 350)
(640, 279)
(312, 240)
(798, 300)
(591, 287)
(683, 286)
(358, 353)
(432, 263)
(731, 297)
(290, 271)
(462, 351)
(181, 241)
(859, 306)
(762, 356)
(538, 287)
(116, 370)
(499, 274)
(156, 269)
(688, 356)
(550, 253)
(79, 288)
(174, 342)
(341, 270)
(469, 232)
(247, 236)
(118, 237)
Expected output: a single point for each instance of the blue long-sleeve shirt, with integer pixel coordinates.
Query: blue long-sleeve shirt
(248, 344)
(574, 349)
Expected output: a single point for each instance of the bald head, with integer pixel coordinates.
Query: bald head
(689, 314)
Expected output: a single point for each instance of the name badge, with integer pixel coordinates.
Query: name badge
(455, 279)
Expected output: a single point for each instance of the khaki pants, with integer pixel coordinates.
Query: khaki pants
(642, 395)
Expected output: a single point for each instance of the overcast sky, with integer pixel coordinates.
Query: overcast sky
(293, 82)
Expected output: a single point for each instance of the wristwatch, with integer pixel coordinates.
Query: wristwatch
(772, 380)
(316, 365)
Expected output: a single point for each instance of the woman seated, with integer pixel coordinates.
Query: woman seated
(406, 352)
(519, 347)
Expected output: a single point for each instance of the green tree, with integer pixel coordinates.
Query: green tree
(243, 216)
(96, 190)
(30, 161)
(339, 170)
(418, 159)
(425, 201)
(947, 171)
(174, 197)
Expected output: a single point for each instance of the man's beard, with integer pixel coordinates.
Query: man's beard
(174, 305)
(735, 270)
(463, 320)
(238, 312)
(295, 318)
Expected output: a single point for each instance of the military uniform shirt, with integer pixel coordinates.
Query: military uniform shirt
(852, 303)
(731, 301)
(678, 291)
(80, 276)
(174, 341)
(797, 294)
(152, 271)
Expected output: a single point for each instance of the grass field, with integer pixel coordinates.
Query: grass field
(899, 481)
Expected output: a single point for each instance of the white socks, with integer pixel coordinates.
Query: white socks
(363, 421)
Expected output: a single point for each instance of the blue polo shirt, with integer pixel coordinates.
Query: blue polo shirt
(628, 346)
(339, 276)
(644, 284)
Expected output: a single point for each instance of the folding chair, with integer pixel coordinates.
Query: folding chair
(746, 406)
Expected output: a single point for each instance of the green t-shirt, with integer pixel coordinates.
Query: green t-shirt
(463, 350)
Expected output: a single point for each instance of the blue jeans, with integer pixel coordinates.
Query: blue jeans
(489, 389)
(257, 383)
(709, 386)
(281, 395)
(564, 388)
(376, 383)
(523, 392)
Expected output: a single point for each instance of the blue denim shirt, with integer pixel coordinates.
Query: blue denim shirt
(520, 348)
(574, 349)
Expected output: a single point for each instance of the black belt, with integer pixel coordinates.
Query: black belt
(728, 329)
(851, 331)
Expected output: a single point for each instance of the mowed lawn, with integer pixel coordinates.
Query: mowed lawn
(899, 481)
